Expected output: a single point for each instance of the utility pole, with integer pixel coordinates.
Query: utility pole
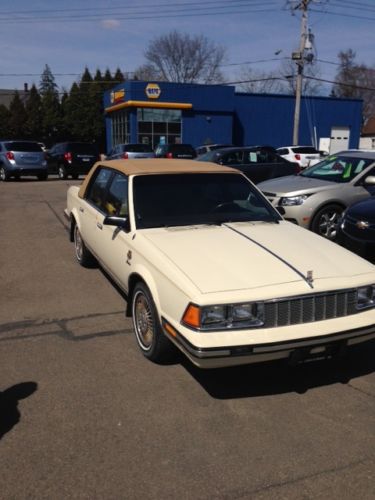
(298, 57)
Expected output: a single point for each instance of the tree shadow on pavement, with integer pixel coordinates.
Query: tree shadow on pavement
(278, 377)
(9, 413)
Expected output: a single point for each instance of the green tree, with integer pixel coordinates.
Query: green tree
(51, 109)
(4, 121)
(17, 119)
(34, 119)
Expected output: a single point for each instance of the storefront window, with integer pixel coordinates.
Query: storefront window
(120, 128)
(153, 124)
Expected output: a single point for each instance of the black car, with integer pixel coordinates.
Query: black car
(183, 151)
(357, 228)
(71, 158)
(258, 163)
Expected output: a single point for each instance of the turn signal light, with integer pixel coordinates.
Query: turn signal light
(192, 316)
(10, 155)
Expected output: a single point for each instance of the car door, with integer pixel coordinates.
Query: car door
(116, 241)
(52, 159)
(93, 211)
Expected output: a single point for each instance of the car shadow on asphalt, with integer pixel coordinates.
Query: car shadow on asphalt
(278, 377)
(9, 399)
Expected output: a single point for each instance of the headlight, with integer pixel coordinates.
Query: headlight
(230, 316)
(291, 201)
(366, 297)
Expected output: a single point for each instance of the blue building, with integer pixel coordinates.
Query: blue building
(150, 113)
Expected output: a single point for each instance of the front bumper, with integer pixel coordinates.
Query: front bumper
(324, 346)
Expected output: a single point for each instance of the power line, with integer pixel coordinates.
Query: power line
(343, 15)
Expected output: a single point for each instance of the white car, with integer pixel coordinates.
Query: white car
(305, 156)
(210, 267)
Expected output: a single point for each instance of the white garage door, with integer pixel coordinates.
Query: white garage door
(339, 139)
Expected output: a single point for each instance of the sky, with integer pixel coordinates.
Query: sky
(70, 35)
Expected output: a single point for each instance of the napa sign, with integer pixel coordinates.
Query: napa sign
(153, 91)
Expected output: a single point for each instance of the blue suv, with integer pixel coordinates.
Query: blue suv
(22, 158)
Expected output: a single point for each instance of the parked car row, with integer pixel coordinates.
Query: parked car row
(28, 158)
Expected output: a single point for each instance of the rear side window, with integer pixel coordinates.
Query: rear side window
(282, 151)
(97, 188)
(33, 147)
(182, 149)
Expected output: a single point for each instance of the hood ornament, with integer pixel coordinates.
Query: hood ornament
(309, 278)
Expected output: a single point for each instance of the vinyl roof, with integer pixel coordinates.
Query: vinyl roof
(152, 166)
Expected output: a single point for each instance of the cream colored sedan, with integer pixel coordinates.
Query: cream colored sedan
(210, 267)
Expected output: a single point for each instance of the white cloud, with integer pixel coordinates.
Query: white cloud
(110, 24)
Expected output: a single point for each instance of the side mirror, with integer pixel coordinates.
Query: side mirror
(120, 222)
(370, 179)
(281, 210)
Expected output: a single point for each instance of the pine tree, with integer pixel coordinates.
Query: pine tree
(34, 120)
(17, 119)
(51, 109)
(4, 120)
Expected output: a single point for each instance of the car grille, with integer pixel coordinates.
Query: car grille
(309, 308)
(352, 229)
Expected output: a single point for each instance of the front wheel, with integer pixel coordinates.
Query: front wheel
(83, 255)
(326, 221)
(150, 338)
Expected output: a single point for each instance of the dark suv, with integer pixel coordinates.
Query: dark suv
(19, 158)
(185, 151)
(72, 158)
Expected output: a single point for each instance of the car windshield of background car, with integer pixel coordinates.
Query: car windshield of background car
(337, 169)
(193, 199)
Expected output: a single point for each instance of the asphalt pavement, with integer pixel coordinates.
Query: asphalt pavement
(84, 415)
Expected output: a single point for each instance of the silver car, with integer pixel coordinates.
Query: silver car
(22, 158)
(316, 197)
(125, 151)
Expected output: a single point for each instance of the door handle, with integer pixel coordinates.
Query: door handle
(98, 225)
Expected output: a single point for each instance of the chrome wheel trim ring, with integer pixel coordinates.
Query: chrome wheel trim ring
(2, 173)
(143, 321)
(61, 173)
(78, 243)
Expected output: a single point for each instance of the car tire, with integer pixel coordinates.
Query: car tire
(4, 176)
(83, 255)
(326, 221)
(151, 340)
(43, 177)
(61, 172)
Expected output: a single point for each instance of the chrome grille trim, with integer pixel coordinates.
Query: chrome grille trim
(309, 308)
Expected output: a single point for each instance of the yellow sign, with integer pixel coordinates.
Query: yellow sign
(117, 96)
(153, 91)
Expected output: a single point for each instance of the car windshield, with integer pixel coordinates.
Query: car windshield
(191, 199)
(209, 156)
(337, 168)
(24, 147)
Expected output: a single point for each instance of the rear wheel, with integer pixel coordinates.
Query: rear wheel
(4, 176)
(83, 255)
(61, 172)
(150, 338)
(326, 221)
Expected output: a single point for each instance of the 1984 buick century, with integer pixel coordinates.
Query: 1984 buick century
(208, 265)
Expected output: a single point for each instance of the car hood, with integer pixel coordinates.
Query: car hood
(293, 184)
(239, 256)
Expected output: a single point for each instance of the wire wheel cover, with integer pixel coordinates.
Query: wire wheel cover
(143, 321)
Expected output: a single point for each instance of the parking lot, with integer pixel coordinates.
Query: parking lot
(84, 415)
